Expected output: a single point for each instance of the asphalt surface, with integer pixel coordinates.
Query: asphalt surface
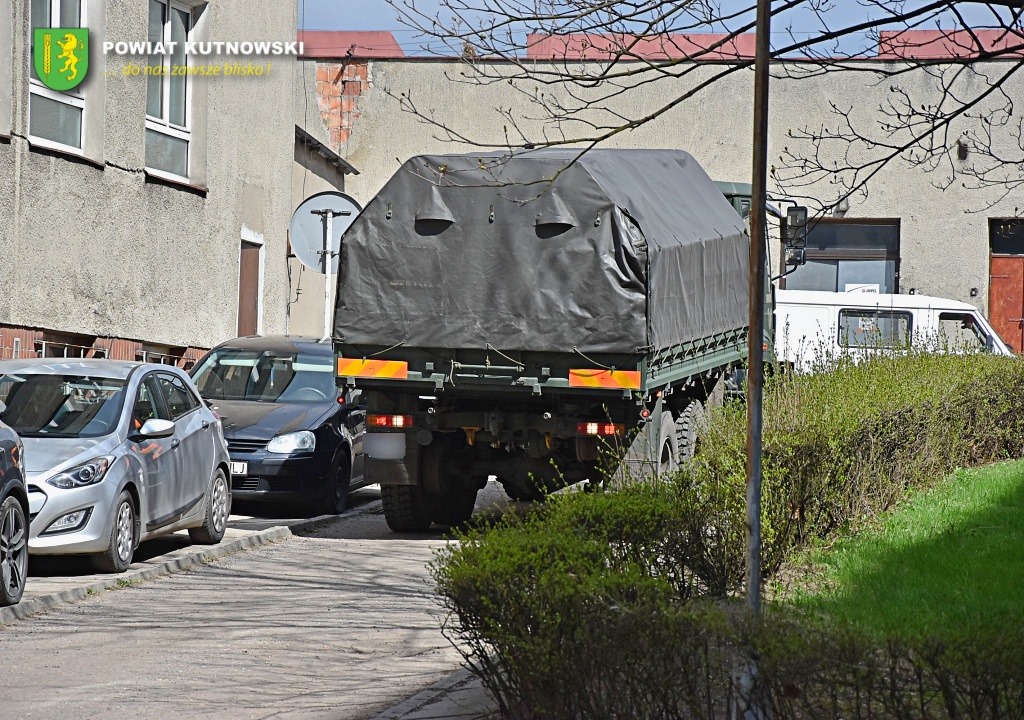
(334, 621)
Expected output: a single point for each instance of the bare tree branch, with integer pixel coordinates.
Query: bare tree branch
(580, 69)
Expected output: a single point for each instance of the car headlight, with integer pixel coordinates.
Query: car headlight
(301, 441)
(88, 473)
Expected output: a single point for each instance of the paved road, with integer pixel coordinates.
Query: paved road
(53, 574)
(340, 623)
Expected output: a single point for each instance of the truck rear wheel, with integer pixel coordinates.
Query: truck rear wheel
(689, 426)
(405, 508)
(454, 507)
(523, 492)
(668, 448)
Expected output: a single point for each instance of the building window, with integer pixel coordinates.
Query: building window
(847, 255)
(168, 96)
(55, 118)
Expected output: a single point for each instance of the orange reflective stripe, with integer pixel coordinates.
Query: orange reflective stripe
(394, 369)
(624, 379)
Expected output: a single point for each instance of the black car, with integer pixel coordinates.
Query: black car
(292, 435)
(13, 517)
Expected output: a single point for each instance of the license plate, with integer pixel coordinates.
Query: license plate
(239, 468)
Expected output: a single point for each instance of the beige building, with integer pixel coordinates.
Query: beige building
(906, 235)
(145, 216)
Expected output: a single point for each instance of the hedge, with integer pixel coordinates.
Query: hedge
(621, 604)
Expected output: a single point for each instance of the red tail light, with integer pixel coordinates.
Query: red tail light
(600, 428)
(389, 422)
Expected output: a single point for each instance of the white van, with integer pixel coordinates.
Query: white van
(813, 328)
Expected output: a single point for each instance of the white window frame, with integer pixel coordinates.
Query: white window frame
(74, 97)
(163, 124)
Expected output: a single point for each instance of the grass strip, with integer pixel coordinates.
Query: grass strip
(948, 563)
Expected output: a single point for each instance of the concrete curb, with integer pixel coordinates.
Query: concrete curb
(427, 696)
(269, 536)
(47, 602)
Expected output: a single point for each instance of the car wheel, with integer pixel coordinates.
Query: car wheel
(123, 537)
(335, 498)
(218, 508)
(13, 551)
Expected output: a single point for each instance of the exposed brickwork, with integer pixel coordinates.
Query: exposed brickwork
(339, 85)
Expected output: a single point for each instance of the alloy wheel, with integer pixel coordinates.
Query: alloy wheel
(220, 504)
(125, 531)
(14, 549)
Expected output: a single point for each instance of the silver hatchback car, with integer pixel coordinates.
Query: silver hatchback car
(115, 453)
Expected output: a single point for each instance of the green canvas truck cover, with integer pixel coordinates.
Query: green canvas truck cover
(611, 251)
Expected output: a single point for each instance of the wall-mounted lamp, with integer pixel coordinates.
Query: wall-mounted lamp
(912, 291)
(962, 149)
(974, 292)
(841, 208)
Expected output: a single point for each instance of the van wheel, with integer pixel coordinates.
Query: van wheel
(405, 508)
(123, 537)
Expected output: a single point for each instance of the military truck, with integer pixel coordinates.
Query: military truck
(543, 317)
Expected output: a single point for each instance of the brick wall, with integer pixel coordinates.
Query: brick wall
(339, 85)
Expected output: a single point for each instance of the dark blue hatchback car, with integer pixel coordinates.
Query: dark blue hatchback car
(292, 435)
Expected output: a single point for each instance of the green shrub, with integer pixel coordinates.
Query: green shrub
(845, 445)
(617, 605)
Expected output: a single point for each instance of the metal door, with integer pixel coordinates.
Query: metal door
(248, 289)
(1006, 299)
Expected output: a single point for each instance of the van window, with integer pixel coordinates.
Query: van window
(874, 328)
(961, 331)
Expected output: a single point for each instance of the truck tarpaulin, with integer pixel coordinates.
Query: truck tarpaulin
(612, 251)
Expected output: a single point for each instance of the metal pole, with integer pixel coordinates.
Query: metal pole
(327, 274)
(327, 218)
(755, 347)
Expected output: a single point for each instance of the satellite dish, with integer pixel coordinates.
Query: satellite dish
(327, 209)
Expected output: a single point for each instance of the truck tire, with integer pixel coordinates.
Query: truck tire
(454, 507)
(668, 445)
(405, 508)
(523, 494)
(690, 425)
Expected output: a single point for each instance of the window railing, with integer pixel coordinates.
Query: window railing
(157, 357)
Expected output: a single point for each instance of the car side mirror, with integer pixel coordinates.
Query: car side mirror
(155, 428)
(355, 418)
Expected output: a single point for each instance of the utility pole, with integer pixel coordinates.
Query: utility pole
(755, 342)
(751, 708)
